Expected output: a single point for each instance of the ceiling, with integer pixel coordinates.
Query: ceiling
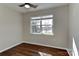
(15, 6)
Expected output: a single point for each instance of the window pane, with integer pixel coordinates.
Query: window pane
(35, 22)
(36, 29)
(47, 22)
(46, 29)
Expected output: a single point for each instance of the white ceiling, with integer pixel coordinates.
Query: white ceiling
(15, 6)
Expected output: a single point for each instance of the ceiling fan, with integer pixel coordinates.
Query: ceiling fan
(28, 5)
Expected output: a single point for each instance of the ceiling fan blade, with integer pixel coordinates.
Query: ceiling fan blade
(31, 5)
(22, 5)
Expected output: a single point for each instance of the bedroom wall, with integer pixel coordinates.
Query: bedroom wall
(11, 31)
(60, 38)
(74, 25)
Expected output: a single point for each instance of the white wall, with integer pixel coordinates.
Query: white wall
(74, 24)
(10, 28)
(60, 39)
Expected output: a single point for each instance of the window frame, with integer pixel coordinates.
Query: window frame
(41, 25)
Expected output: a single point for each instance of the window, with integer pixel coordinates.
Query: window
(42, 25)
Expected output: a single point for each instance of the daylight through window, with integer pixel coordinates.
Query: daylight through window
(42, 25)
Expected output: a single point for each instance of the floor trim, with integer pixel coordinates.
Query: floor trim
(46, 45)
(10, 47)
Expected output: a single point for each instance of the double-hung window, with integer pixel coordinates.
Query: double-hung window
(42, 25)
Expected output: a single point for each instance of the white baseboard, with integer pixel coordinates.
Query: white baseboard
(10, 47)
(45, 45)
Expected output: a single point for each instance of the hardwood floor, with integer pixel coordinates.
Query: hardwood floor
(33, 50)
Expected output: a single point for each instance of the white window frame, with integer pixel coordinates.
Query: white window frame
(40, 32)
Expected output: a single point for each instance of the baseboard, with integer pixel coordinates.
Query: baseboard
(45, 45)
(10, 47)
